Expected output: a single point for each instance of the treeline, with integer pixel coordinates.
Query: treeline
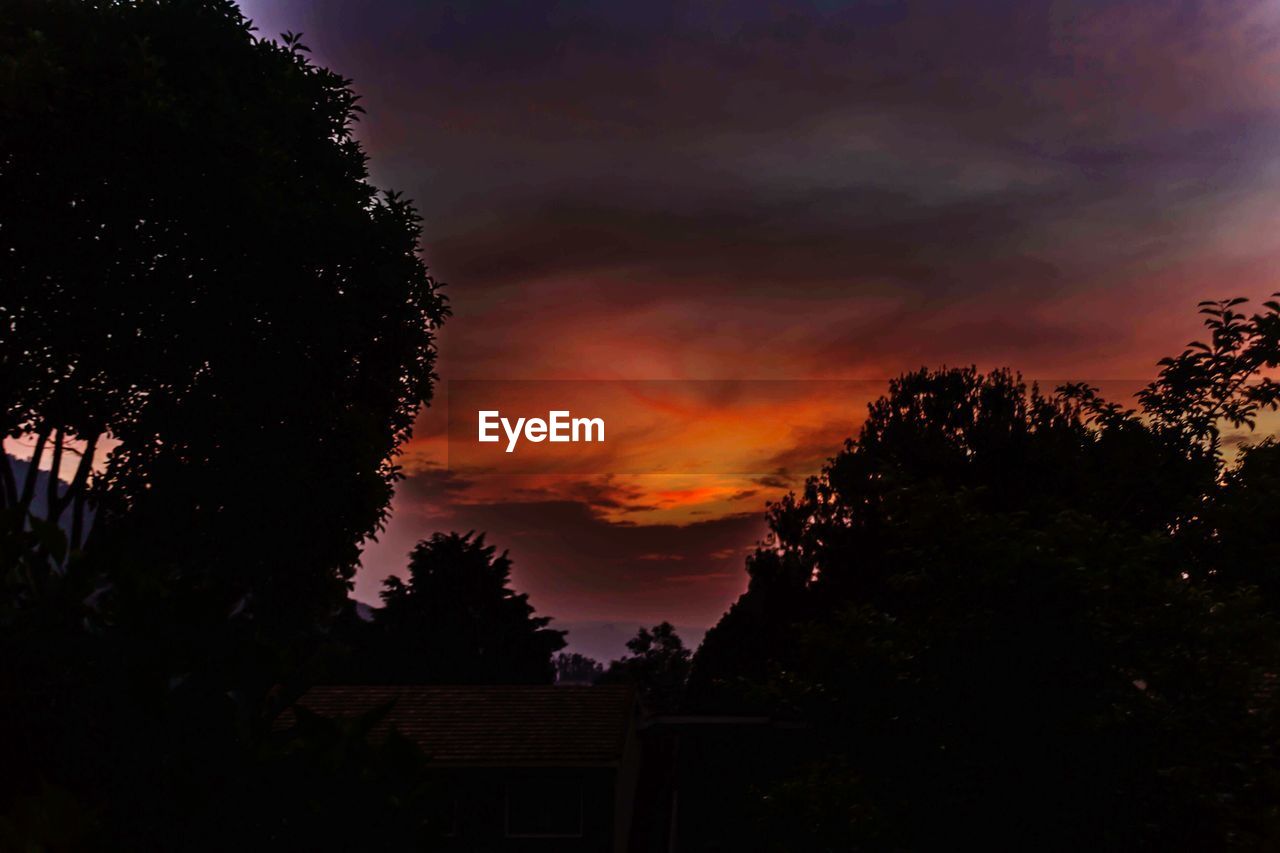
(1024, 619)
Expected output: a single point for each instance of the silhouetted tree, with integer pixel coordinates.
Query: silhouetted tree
(658, 666)
(577, 669)
(1022, 620)
(197, 266)
(1240, 526)
(198, 277)
(1222, 380)
(457, 621)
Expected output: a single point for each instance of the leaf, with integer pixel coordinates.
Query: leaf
(50, 537)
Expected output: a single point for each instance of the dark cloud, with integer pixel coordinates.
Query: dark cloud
(800, 190)
(434, 482)
(831, 239)
(779, 479)
(811, 446)
(935, 155)
(598, 494)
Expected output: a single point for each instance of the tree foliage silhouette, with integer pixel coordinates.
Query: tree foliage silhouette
(199, 278)
(658, 667)
(574, 668)
(197, 267)
(457, 621)
(1021, 619)
(1238, 531)
(1221, 381)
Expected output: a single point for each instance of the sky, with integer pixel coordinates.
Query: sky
(808, 193)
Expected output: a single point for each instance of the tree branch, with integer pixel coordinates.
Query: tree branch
(77, 522)
(29, 482)
(81, 477)
(52, 510)
(9, 484)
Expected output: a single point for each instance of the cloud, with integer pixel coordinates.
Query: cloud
(434, 482)
(807, 190)
(779, 479)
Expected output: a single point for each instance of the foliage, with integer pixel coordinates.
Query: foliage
(220, 332)
(658, 666)
(48, 818)
(1024, 620)
(1240, 526)
(574, 668)
(197, 269)
(1222, 380)
(457, 621)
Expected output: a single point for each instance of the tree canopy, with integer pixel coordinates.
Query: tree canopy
(199, 274)
(220, 332)
(456, 620)
(658, 667)
(575, 668)
(1023, 619)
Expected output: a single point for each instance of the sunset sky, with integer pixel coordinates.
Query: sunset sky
(788, 191)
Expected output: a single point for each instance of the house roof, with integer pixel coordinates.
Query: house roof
(509, 725)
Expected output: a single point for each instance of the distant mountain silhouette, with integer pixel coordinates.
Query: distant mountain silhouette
(364, 610)
(39, 502)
